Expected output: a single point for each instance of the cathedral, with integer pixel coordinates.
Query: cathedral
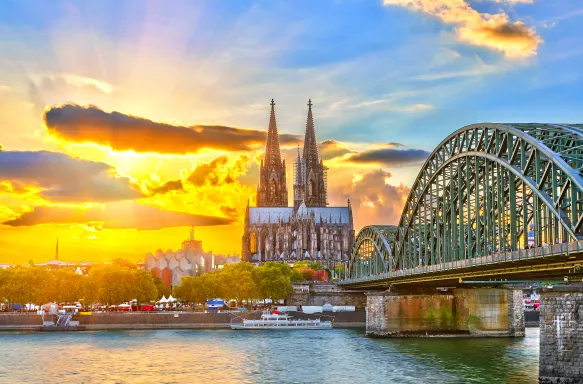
(309, 230)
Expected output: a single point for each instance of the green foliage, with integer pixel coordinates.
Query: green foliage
(315, 266)
(163, 290)
(236, 282)
(296, 276)
(241, 281)
(340, 270)
(307, 273)
(273, 280)
(107, 284)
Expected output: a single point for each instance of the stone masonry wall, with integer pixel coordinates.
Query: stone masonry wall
(490, 311)
(320, 294)
(334, 298)
(561, 335)
(470, 312)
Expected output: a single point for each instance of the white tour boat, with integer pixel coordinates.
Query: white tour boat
(280, 321)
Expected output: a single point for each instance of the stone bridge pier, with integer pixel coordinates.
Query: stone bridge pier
(561, 335)
(480, 312)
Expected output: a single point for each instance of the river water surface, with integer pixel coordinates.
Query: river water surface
(225, 356)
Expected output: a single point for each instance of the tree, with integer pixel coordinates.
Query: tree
(116, 284)
(236, 282)
(190, 290)
(316, 266)
(17, 286)
(296, 276)
(124, 263)
(273, 280)
(162, 289)
(307, 273)
(144, 287)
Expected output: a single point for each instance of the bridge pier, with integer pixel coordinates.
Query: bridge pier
(479, 312)
(561, 335)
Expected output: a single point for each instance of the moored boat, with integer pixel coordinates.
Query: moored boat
(277, 321)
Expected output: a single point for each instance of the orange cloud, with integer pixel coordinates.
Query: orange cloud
(167, 187)
(515, 39)
(374, 200)
(123, 132)
(219, 171)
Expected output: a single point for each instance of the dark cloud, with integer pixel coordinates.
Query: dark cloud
(123, 132)
(389, 157)
(218, 172)
(65, 179)
(230, 212)
(330, 149)
(120, 215)
(167, 187)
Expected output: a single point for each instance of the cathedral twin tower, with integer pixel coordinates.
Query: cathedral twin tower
(309, 171)
(310, 230)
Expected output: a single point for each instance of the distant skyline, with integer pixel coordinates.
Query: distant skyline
(98, 100)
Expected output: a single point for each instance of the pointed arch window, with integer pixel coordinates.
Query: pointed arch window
(272, 189)
(253, 242)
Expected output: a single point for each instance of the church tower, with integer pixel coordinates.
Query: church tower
(315, 172)
(272, 187)
(299, 181)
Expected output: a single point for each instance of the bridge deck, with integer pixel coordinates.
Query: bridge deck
(524, 261)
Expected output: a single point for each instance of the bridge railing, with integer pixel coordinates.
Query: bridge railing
(496, 258)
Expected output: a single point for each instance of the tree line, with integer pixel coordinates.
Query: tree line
(112, 284)
(121, 281)
(240, 281)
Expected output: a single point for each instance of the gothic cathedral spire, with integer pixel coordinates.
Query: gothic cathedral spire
(310, 145)
(272, 152)
(272, 188)
(315, 172)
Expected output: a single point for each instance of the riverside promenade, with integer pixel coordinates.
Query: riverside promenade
(167, 320)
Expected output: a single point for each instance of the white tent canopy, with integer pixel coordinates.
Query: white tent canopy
(163, 300)
(171, 299)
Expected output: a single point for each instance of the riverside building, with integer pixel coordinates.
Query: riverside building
(308, 230)
(189, 260)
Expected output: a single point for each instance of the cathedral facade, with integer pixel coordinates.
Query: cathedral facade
(308, 230)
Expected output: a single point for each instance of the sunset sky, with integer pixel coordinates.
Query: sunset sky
(122, 123)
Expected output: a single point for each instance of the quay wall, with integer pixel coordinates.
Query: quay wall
(465, 312)
(561, 335)
(330, 293)
(165, 320)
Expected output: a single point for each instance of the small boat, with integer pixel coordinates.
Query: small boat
(280, 321)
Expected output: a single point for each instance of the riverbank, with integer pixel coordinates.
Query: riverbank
(166, 320)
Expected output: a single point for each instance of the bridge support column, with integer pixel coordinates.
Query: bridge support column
(479, 312)
(561, 335)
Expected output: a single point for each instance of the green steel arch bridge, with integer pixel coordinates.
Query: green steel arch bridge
(492, 201)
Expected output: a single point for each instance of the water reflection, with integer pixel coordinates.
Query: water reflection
(197, 356)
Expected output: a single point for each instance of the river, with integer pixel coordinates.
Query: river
(225, 356)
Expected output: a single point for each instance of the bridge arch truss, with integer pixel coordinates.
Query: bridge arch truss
(372, 251)
(486, 189)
